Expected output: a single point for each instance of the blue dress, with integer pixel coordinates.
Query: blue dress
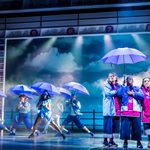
(43, 112)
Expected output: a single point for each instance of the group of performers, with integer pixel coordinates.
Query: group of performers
(44, 107)
(124, 107)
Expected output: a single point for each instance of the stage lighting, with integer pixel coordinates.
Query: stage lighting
(108, 43)
(34, 32)
(109, 29)
(148, 27)
(70, 31)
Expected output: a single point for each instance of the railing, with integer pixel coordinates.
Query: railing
(93, 120)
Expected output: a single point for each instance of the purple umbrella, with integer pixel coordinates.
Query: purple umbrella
(124, 56)
(44, 86)
(77, 87)
(64, 92)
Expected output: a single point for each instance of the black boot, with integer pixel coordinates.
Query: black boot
(31, 135)
(105, 144)
(139, 145)
(63, 136)
(112, 144)
(125, 144)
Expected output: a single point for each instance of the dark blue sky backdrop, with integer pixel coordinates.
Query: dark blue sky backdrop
(62, 59)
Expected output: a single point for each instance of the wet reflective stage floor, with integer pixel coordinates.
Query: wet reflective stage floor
(81, 141)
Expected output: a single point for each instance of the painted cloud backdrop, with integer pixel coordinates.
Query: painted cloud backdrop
(62, 59)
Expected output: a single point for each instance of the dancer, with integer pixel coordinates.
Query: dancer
(74, 116)
(146, 107)
(111, 110)
(131, 97)
(44, 107)
(56, 113)
(23, 109)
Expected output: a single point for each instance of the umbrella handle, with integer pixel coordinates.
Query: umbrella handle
(74, 92)
(124, 80)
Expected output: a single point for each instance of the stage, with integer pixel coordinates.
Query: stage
(81, 141)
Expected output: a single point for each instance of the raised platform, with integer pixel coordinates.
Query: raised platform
(81, 141)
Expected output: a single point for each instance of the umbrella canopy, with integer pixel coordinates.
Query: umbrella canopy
(41, 87)
(77, 87)
(64, 92)
(124, 56)
(2, 94)
(22, 89)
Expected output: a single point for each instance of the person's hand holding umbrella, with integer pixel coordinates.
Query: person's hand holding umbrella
(124, 56)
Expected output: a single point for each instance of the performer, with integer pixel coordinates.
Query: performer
(74, 115)
(23, 109)
(56, 113)
(146, 107)
(44, 107)
(3, 127)
(111, 110)
(131, 97)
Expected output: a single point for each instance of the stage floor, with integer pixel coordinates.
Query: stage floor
(81, 141)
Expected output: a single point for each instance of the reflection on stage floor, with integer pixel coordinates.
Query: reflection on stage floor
(81, 141)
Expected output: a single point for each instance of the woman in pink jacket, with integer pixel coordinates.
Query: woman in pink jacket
(146, 107)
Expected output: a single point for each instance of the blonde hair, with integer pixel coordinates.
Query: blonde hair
(144, 80)
(113, 73)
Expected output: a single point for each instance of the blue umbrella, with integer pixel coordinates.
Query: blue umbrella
(22, 90)
(77, 87)
(41, 87)
(64, 92)
(2, 94)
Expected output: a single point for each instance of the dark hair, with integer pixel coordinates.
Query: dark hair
(22, 95)
(129, 78)
(73, 94)
(42, 97)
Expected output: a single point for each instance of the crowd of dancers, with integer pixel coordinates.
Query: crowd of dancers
(124, 108)
(44, 107)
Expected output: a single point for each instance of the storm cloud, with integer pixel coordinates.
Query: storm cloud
(53, 61)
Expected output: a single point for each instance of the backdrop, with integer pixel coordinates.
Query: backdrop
(62, 59)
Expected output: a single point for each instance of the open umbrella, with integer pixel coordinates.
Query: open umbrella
(124, 56)
(64, 92)
(2, 94)
(22, 89)
(44, 86)
(77, 87)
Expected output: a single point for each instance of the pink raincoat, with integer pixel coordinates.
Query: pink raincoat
(146, 106)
